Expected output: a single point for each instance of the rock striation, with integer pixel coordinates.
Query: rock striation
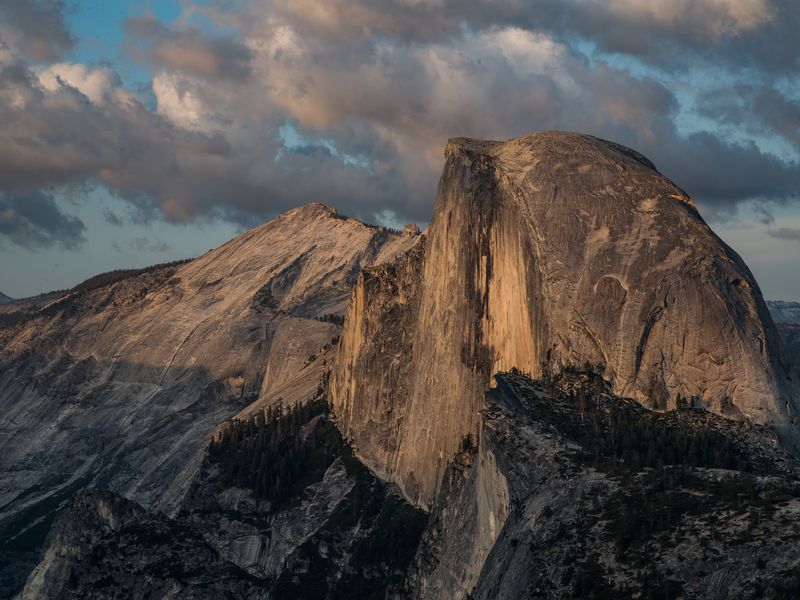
(119, 382)
(549, 250)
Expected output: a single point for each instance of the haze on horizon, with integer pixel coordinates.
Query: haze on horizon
(143, 131)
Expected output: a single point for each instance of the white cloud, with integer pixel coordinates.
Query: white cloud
(528, 52)
(94, 83)
(178, 101)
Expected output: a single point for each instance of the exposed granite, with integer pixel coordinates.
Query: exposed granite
(547, 250)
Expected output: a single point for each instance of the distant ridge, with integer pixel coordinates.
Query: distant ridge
(784, 312)
(5, 299)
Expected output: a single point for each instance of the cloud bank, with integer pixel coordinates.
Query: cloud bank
(254, 107)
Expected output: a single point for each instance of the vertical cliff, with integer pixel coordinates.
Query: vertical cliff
(547, 250)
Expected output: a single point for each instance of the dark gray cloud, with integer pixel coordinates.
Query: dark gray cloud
(671, 35)
(759, 109)
(785, 233)
(763, 214)
(33, 220)
(36, 27)
(112, 218)
(143, 244)
(61, 139)
(721, 173)
(188, 50)
(374, 89)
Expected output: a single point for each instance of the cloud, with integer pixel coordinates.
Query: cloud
(143, 244)
(94, 83)
(112, 218)
(763, 214)
(35, 27)
(675, 35)
(56, 137)
(188, 50)
(714, 18)
(34, 220)
(785, 233)
(760, 110)
(373, 90)
(723, 174)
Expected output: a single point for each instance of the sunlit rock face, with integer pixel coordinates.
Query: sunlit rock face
(119, 385)
(547, 250)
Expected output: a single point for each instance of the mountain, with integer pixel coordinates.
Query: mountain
(567, 492)
(787, 319)
(119, 382)
(5, 299)
(791, 341)
(549, 250)
(567, 387)
(784, 312)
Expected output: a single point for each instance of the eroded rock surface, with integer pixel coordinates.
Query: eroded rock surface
(547, 250)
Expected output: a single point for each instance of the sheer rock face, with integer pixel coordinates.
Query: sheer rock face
(119, 386)
(546, 250)
(790, 332)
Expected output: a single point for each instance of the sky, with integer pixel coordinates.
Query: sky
(135, 132)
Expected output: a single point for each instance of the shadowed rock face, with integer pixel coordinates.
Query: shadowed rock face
(548, 250)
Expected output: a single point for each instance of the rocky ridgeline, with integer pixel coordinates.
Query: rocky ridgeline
(790, 332)
(576, 493)
(784, 312)
(787, 318)
(280, 509)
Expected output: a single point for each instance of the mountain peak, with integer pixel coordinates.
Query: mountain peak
(311, 209)
(545, 251)
(592, 167)
(560, 144)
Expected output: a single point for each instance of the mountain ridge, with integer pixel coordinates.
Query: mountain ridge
(784, 311)
(119, 384)
(565, 338)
